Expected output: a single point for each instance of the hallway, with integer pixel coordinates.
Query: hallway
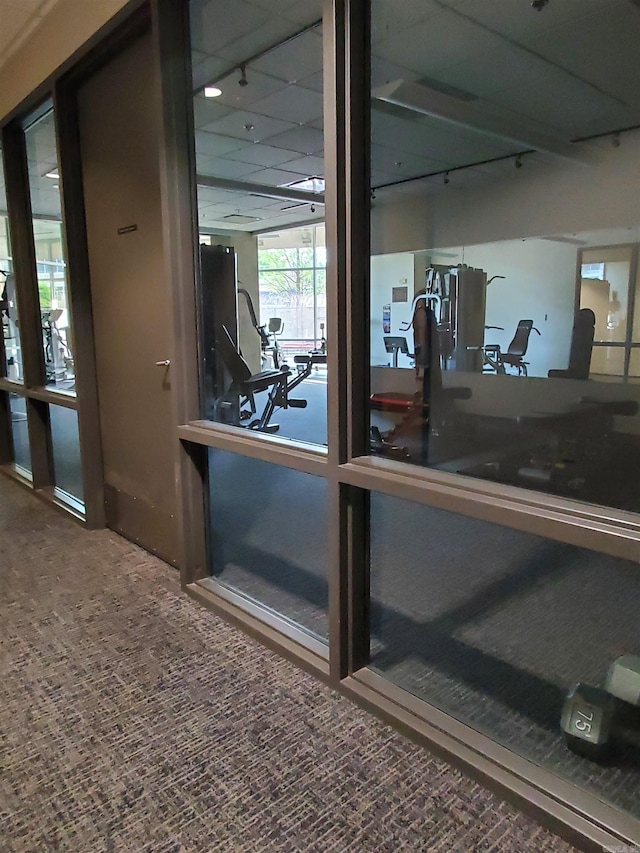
(131, 719)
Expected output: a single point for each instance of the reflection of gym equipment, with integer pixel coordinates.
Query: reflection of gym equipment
(581, 346)
(428, 412)
(458, 299)
(395, 345)
(495, 359)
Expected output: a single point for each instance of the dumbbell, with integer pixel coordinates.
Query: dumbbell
(623, 679)
(594, 720)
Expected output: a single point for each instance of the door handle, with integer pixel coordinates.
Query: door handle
(164, 363)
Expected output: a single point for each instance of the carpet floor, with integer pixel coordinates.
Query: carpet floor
(131, 719)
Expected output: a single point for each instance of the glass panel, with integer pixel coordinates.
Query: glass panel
(490, 219)
(66, 451)
(259, 144)
(21, 451)
(8, 299)
(48, 235)
(494, 626)
(635, 331)
(607, 363)
(604, 288)
(268, 536)
(634, 364)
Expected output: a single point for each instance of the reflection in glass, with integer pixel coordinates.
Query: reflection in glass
(494, 626)
(8, 299)
(48, 235)
(19, 428)
(607, 362)
(500, 261)
(268, 536)
(260, 176)
(66, 451)
(604, 287)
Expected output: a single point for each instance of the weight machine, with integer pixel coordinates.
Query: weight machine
(229, 385)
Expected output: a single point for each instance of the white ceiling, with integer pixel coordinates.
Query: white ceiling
(18, 19)
(572, 68)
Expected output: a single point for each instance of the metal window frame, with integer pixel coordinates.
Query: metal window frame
(351, 474)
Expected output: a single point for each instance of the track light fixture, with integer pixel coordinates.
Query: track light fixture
(539, 5)
(518, 163)
(446, 178)
(243, 76)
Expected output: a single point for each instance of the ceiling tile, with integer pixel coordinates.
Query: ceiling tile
(277, 177)
(212, 26)
(272, 32)
(214, 145)
(12, 21)
(294, 60)
(223, 168)
(263, 155)
(306, 165)
(388, 19)
(292, 104)
(313, 81)
(521, 22)
(206, 110)
(440, 42)
(249, 126)
(306, 140)
(304, 11)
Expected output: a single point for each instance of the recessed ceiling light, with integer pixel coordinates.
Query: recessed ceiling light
(52, 174)
(212, 92)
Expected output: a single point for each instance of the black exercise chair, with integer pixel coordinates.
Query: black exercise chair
(584, 327)
(495, 359)
(244, 385)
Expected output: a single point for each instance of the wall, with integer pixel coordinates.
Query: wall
(539, 285)
(540, 199)
(63, 30)
(388, 271)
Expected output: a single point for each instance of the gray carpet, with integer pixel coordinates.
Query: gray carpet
(134, 720)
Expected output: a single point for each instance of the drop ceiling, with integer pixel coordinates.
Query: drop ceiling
(572, 69)
(18, 19)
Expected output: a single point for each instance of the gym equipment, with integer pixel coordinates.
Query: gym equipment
(396, 345)
(427, 412)
(581, 346)
(623, 679)
(495, 359)
(595, 723)
(457, 296)
(237, 404)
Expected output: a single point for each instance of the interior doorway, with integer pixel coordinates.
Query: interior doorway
(120, 125)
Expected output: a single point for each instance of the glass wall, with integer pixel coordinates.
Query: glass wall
(505, 226)
(253, 508)
(8, 297)
(65, 442)
(20, 431)
(495, 626)
(259, 141)
(48, 235)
